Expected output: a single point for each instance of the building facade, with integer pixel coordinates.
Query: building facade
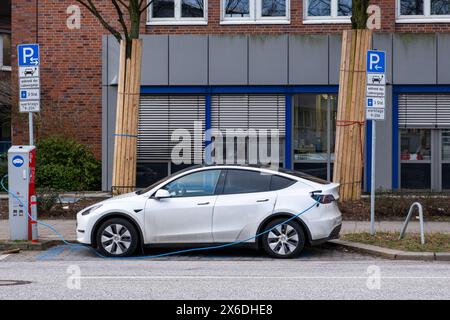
(248, 64)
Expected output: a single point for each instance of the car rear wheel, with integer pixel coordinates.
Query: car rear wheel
(284, 240)
(117, 237)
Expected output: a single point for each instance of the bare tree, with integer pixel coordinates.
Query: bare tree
(359, 14)
(129, 13)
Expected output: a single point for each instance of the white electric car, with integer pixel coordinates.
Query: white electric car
(211, 205)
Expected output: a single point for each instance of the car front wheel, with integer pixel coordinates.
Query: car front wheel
(117, 237)
(284, 240)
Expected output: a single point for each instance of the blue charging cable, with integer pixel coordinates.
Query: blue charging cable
(156, 255)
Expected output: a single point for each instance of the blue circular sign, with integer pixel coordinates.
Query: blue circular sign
(18, 161)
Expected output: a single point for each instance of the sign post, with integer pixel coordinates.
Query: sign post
(375, 107)
(29, 82)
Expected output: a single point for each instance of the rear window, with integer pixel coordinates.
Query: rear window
(279, 182)
(246, 181)
(304, 176)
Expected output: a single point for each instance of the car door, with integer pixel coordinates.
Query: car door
(186, 216)
(245, 199)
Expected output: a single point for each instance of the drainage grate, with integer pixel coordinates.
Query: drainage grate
(4, 283)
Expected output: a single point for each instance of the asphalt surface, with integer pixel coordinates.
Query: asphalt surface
(320, 273)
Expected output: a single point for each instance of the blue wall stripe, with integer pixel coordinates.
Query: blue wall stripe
(237, 89)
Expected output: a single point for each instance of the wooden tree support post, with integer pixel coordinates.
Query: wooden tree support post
(349, 146)
(124, 169)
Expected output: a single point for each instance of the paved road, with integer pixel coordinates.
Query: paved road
(73, 273)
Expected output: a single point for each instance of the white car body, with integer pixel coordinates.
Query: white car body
(218, 218)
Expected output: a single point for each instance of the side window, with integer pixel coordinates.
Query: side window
(279, 182)
(202, 183)
(246, 181)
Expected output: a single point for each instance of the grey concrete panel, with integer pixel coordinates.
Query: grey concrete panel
(334, 59)
(188, 60)
(308, 59)
(268, 59)
(414, 58)
(228, 60)
(104, 138)
(113, 60)
(155, 60)
(383, 42)
(443, 58)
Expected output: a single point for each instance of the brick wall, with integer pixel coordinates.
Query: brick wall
(71, 59)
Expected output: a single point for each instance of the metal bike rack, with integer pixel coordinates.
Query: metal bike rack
(405, 225)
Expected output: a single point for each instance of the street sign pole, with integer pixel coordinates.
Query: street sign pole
(375, 105)
(372, 179)
(30, 127)
(29, 82)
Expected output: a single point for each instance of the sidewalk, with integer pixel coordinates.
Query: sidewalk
(67, 228)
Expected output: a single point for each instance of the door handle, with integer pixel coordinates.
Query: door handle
(262, 200)
(202, 203)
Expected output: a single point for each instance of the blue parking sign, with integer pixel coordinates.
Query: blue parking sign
(376, 61)
(28, 55)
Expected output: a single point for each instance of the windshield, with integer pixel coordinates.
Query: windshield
(142, 191)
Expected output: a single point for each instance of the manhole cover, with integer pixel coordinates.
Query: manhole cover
(4, 283)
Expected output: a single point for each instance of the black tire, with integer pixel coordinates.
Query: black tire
(121, 245)
(273, 240)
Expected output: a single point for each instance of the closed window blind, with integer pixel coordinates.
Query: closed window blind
(424, 110)
(159, 116)
(248, 111)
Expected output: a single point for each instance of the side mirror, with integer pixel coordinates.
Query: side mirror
(161, 194)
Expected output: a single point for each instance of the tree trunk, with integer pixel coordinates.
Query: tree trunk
(349, 146)
(125, 146)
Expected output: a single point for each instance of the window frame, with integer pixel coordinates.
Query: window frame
(2, 66)
(255, 15)
(177, 19)
(426, 17)
(331, 19)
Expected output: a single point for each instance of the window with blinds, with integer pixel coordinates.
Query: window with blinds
(159, 116)
(248, 111)
(424, 111)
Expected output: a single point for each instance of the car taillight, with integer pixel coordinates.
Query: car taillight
(323, 198)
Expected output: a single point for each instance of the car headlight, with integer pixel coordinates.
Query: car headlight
(90, 209)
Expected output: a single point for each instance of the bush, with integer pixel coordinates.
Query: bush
(65, 165)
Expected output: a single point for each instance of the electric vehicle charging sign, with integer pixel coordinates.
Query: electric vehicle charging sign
(18, 161)
(29, 78)
(375, 85)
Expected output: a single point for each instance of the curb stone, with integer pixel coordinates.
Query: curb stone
(391, 253)
(28, 245)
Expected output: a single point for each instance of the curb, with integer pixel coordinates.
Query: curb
(28, 245)
(391, 253)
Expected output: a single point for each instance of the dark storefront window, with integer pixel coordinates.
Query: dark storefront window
(445, 150)
(149, 173)
(415, 157)
(314, 133)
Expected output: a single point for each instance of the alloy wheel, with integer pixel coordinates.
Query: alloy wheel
(283, 239)
(116, 239)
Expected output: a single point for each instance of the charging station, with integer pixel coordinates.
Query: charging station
(22, 198)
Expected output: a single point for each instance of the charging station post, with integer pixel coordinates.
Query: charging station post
(21, 184)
